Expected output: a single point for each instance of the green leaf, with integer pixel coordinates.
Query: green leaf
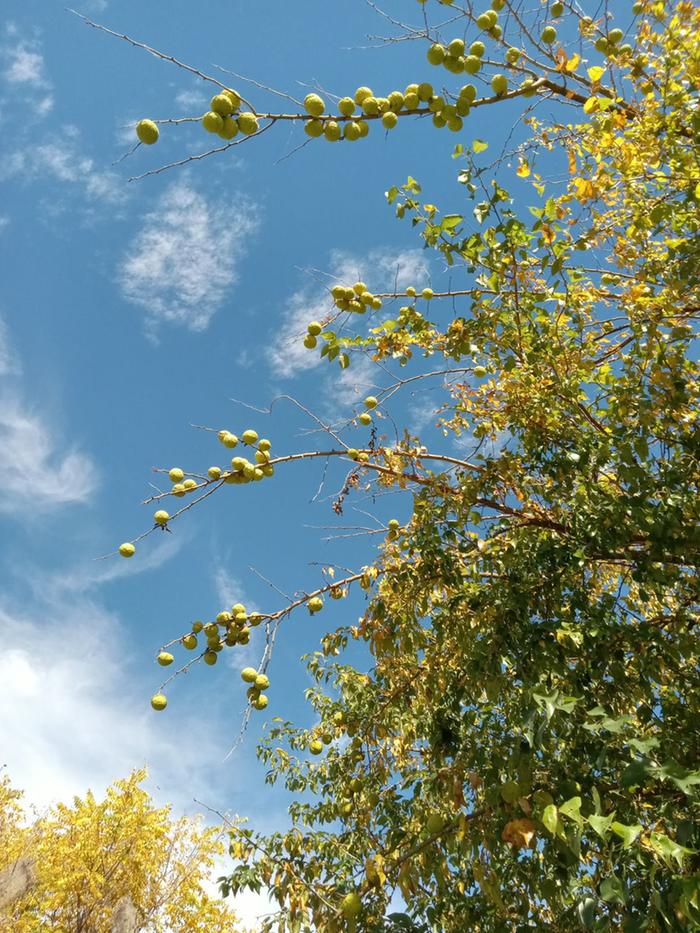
(601, 824)
(344, 360)
(450, 221)
(683, 778)
(479, 145)
(613, 891)
(628, 834)
(586, 911)
(669, 850)
(572, 809)
(550, 819)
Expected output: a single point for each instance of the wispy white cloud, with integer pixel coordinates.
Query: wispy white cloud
(182, 264)
(37, 471)
(23, 69)
(63, 684)
(9, 361)
(4, 222)
(381, 269)
(62, 160)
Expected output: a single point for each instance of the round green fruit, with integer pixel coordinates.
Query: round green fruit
(214, 472)
(127, 549)
(213, 122)
(389, 120)
(315, 604)
(147, 131)
(248, 124)
(316, 747)
(436, 54)
(221, 104)
(229, 130)
(556, 9)
(234, 97)
(351, 905)
(313, 128)
(176, 475)
(249, 675)
(332, 131)
(483, 21)
(615, 36)
(351, 131)
(314, 105)
(310, 342)
(455, 124)
(472, 64)
(396, 101)
(478, 49)
(434, 824)
(227, 439)
(346, 106)
(190, 641)
(165, 658)
(499, 83)
(456, 48)
(427, 294)
(361, 94)
(249, 436)
(260, 702)
(178, 490)
(364, 418)
(159, 702)
(161, 517)
(549, 35)
(262, 681)
(371, 402)
(512, 55)
(210, 658)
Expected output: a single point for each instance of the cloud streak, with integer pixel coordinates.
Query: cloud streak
(181, 266)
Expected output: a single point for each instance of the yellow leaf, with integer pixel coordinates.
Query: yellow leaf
(572, 63)
(596, 73)
(523, 169)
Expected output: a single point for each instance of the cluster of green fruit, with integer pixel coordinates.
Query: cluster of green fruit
(258, 683)
(365, 419)
(350, 123)
(356, 298)
(223, 118)
(243, 470)
(610, 45)
(322, 737)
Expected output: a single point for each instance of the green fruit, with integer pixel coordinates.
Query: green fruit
(159, 702)
(477, 48)
(234, 97)
(197, 626)
(264, 444)
(370, 106)
(213, 122)
(339, 718)
(260, 702)
(549, 35)
(427, 294)
(437, 104)
(411, 101)
(316, 747)
(364, 418)
(127, 549)
(480, 371)
(314, 105)
(176, 475)
(556, 9)
(249, 436)
(190, 484)
(393, 523)
(434, 823)
(528, 88)
(483, 21)
(456, 48)
(389, 120)
(462, 107)
(468, 92)
(147, 131)
(351, 905)
(262, 681)
(178, 490)
(472, 64)
(248, 123)
(615, 36)
(261, 457)
(230, 129)
(383, 104)
(346, 106)
(310, 342)
(165, 658)
(190, 641)
(214, 472)
(396, 101)
(425, 91)
(361, 94)
(210, 657)
(227, 439)
(332, 131)
(249, 675)
(455, 124)
(499, 83)
(352, 131)
(371, 402)
(161, 517)
(315, 604)
(454, 65)
(313, 128)
(346, 808)
(436, 54)
(601, 44)
(221, 104)
(512, 55)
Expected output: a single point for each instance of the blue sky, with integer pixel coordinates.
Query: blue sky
(129, 312)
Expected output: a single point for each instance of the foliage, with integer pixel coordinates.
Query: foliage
(92, 855)
(522, 753)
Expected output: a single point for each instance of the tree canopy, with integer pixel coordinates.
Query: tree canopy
(522, 751)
